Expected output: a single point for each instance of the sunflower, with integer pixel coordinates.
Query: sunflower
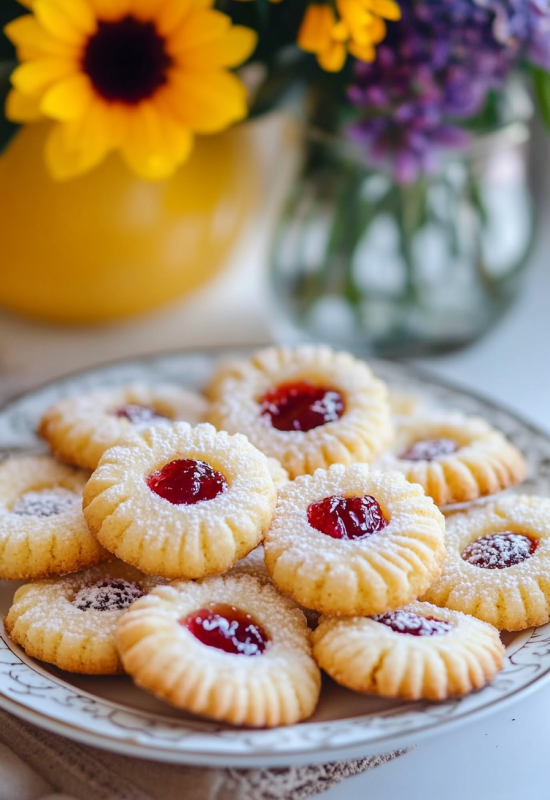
(139, 76)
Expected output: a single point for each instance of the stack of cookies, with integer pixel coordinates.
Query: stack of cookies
(223, 550)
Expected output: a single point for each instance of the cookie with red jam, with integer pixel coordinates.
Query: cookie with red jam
(350, 541)
(79, 429)
(498, 563)
(454, 457)
(181, 502)
(42, 529)
(228, 648)
(419, 652)
(71, 621)
(308, 406)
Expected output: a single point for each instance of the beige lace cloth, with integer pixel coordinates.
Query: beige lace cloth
(45, 763)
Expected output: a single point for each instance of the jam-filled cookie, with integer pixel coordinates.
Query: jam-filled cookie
(309, 407)
(350, 541)
(42, 529)
(498, 563)
(228, 648)
(416, 652)
(71, 621)
(181, 502)
(79, 429)
(454, 457)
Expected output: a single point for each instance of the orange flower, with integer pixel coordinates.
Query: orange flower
(360, 28)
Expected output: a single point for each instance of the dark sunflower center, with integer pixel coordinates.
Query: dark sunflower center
(126, 60)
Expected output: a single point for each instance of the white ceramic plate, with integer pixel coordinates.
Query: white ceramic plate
(112, 713)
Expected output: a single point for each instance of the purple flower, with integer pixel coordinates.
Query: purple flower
(523, 24)
(434, 70)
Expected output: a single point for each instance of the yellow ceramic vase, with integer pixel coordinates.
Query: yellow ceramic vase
(109, 244)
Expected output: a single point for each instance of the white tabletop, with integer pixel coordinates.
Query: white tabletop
(503, 757)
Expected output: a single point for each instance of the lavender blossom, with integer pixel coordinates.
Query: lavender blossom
(524, 24)
(436, 68)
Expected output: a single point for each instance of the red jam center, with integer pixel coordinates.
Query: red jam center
(186, 482)
(429, 449)
(347, 517)
(227, 628)
(139, 415)
(301, 406)
(500, 550)
(413, 624)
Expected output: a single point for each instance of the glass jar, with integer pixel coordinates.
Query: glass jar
(369, 265)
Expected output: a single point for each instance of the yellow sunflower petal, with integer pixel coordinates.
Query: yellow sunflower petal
(109, 10)
(68, 99)
(32, 41)
(229, 51)
(333, 58)
(315, 32)
(155, 144)
(68, 20)
(22, 108)
(34, 77)
(147, 9)
(63, 162)
(173, 14)
(77, 146)
(199, 28)
(26, 3)
(206, 102)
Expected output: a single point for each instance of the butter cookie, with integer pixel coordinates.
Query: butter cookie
(455, 458)
(416, 652)
(71, 621)
(351, 541)
(79, 429)
(42, 529)
(228, 648)
(181, 502)
(498, 563)
(308, 406)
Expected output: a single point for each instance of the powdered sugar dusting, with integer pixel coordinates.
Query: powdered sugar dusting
(46, 502)
(413, 624)
(109, 594)
(139, 414)
(500, 550)
(429, 449)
